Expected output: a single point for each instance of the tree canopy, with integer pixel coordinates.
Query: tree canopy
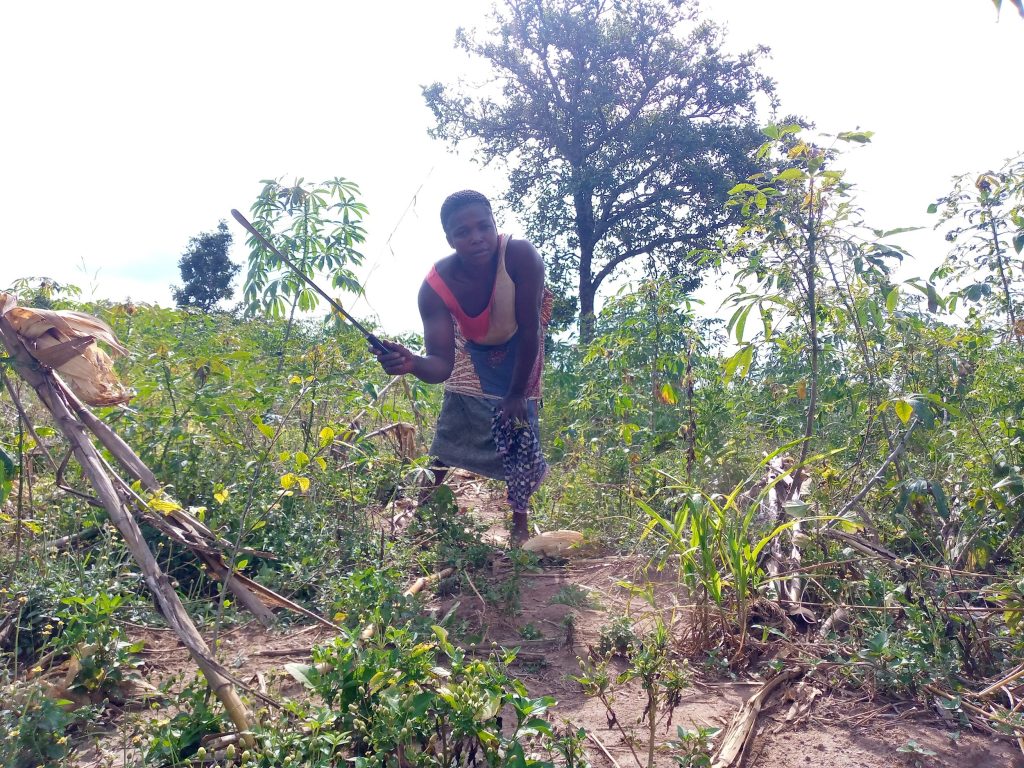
(206, 270)
(623, 126)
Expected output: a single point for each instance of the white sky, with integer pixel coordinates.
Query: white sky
(129, 127)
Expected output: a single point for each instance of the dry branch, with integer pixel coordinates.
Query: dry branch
(740, 733)
(47, 387)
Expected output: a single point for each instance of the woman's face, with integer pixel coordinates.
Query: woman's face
(472, 233)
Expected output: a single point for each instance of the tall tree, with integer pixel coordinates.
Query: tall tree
(623, 125)
(206, 271)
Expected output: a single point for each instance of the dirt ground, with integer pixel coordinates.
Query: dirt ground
(806, 724)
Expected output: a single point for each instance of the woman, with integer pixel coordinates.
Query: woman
(484, 308)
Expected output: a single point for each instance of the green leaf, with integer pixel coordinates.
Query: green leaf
(743, 187)
(7, 473)
(741, 321)
(858, 137)
(791, 174)
(1018, 242)
(892, 298)
(300, 672)
(933, 208)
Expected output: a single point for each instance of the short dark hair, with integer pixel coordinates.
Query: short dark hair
(459, 200)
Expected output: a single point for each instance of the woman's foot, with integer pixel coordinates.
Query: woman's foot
(520, 530)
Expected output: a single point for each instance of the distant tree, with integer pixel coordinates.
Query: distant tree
(206, 271)
(623, 126)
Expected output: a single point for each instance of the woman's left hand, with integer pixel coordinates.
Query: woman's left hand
(513, 409)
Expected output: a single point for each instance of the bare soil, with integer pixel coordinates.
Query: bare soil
(806, 724)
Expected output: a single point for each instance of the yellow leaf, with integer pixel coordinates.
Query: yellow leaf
(288, 480)
(326, 437)
(303, 484)
(164, 505)
(801, 390)
(222, 495)
(904, 410)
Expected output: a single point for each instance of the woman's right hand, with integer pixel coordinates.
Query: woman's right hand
(397, 360)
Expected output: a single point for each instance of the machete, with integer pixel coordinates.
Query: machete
(377, 343)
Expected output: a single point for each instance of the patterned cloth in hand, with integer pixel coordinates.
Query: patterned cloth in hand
(521, 459)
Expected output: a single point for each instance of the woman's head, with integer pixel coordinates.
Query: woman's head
(456, 201)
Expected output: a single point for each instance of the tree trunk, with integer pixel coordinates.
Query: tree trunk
(584, 206)
(586, 312)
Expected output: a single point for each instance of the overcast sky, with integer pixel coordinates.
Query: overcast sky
(129, 127)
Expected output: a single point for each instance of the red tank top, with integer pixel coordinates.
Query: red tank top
(496, 323)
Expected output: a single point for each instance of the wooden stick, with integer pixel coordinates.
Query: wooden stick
(604, 749)
(1016, 674)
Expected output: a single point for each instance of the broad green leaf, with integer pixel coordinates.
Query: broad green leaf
(892, 298)
(858, 137)
(791, 174)
(7, 473)
(300, 672)
(743, 187)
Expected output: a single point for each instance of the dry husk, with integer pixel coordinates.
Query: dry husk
(65, 340)
(554, 543)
